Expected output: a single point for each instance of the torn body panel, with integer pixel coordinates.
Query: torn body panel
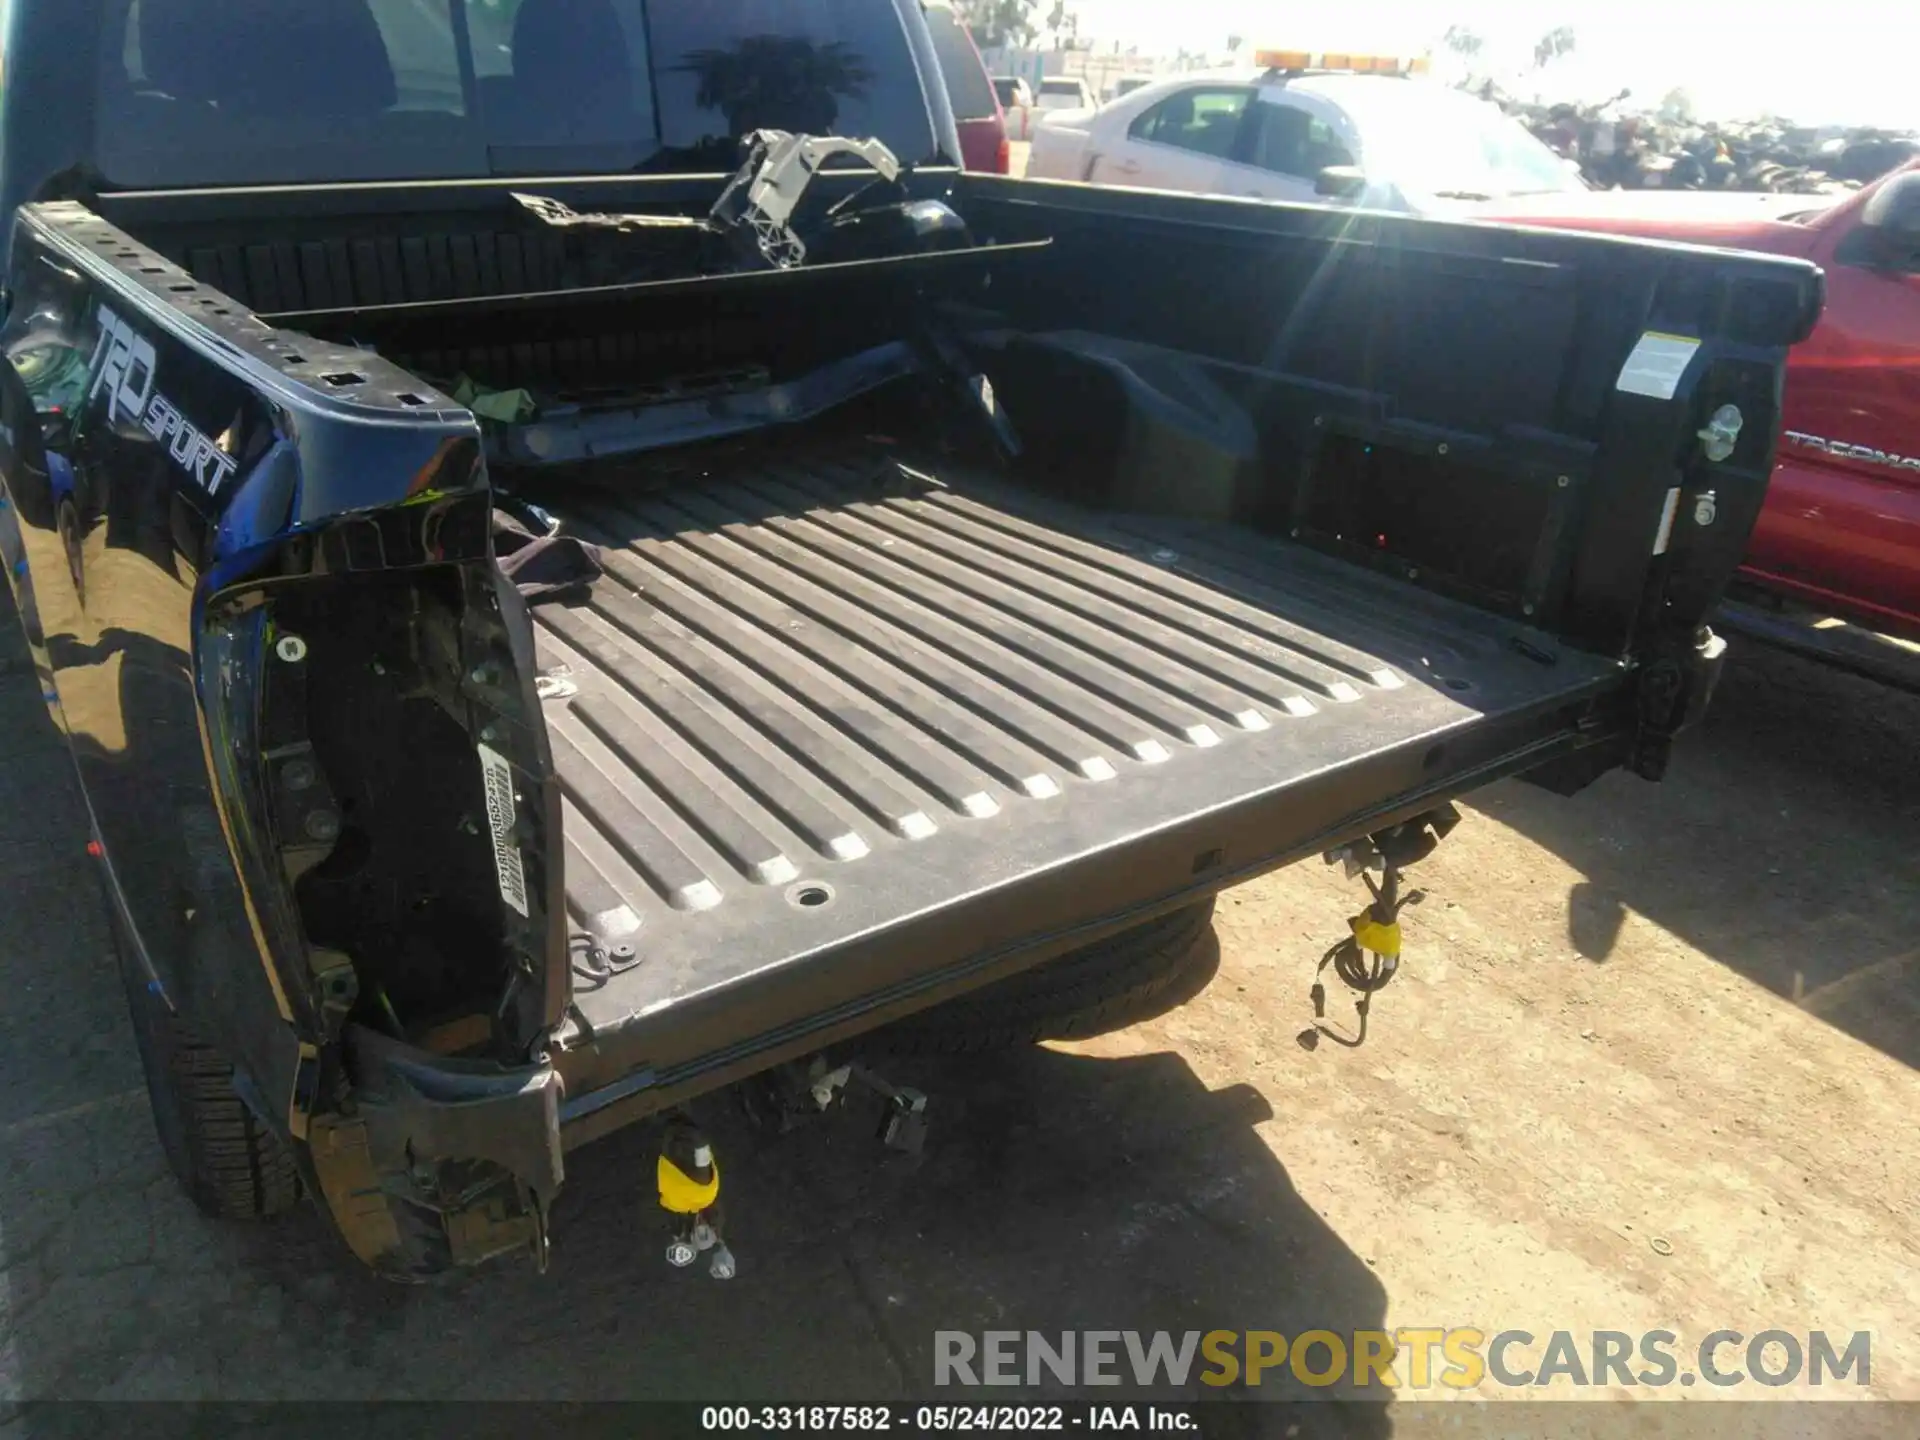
(443, 1162)
(275, 627)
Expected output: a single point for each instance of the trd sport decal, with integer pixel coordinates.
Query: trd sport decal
(123, 366)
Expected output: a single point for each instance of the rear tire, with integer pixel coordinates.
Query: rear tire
(1105, 986)
(230, 1165)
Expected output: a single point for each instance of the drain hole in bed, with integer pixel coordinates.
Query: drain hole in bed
(1454, 682)
(809, 896)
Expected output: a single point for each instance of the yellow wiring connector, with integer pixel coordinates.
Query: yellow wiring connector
(684, 1195)
(1371, 935)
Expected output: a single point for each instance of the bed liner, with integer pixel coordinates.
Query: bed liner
(829, 713)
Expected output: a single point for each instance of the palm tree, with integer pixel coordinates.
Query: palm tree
(998, 22)
(1552, 45)
(779, 82)
(1463, 42)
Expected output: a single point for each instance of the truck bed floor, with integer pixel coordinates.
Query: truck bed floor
(824, 715)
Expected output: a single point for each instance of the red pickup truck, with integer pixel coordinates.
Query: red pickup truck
(1840, 534)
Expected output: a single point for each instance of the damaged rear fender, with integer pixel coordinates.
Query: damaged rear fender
(440, 1163)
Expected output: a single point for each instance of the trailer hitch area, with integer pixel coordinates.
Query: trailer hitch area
(438, 1163)
(775, 1102)
(788, 1095)
(903, 1122)
(1368, 956)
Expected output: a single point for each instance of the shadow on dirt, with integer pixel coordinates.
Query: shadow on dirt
(1785, 843)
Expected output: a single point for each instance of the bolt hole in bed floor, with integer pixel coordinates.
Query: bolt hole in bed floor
(982, 712)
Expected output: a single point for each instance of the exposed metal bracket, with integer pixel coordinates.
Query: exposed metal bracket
(763, 197)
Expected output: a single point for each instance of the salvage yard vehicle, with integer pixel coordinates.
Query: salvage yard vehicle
(1062, 93)
(1307, 128)
(614, 622)
(1839, 536)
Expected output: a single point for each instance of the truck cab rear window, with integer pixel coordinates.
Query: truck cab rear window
(203, 92)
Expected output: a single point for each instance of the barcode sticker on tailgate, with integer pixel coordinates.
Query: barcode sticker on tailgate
(498, 775)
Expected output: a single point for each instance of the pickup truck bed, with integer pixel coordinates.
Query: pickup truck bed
(962, 608)
(834, 714)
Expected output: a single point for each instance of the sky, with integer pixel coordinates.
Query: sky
(1830, 62)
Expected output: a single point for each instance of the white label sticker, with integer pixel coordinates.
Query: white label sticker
(506, 855)
(1665, 533)
(1656, 364)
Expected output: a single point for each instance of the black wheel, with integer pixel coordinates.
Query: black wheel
(1110, 984)
(231, 1165)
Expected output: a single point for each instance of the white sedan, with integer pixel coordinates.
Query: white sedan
(1061, 93)
(1384, 140)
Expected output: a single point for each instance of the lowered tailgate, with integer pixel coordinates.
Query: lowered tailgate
(834, 734)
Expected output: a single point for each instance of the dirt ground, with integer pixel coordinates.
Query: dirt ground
(1651, 1063)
